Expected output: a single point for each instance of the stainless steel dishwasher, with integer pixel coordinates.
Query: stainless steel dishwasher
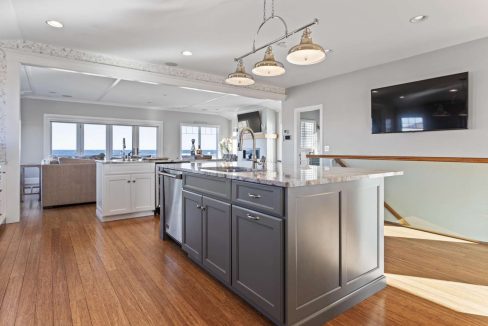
(171, 212)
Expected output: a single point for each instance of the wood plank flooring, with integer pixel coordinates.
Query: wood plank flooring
(63, 267)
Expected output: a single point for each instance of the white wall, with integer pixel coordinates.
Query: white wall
(347, 108)
(33, 110)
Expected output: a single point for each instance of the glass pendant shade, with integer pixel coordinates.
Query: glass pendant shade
(240, 77)
(268, 67)
(307, 52)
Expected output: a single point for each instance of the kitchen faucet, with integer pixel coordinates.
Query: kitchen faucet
(255, 162)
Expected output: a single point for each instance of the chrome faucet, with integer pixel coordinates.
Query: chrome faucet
(255, 162)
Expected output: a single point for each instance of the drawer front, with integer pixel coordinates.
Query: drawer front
(129, 168)
(263, 198)
(213, 186)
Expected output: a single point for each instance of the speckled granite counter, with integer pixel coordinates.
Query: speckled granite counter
(285, 176)
(117, 161)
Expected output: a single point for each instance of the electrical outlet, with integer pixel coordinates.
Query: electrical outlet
(326, 148)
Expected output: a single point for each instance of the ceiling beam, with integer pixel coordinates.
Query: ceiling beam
(112, 86)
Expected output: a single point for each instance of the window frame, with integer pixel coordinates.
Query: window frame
(200, 125)
(314, 122)
(109, 122)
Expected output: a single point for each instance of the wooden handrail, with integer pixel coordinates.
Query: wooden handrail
(404, 158)
(390, 209)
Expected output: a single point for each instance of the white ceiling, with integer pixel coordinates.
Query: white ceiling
(361, 33)
(59, 85)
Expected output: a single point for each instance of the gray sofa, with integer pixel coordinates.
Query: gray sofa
(72, 181)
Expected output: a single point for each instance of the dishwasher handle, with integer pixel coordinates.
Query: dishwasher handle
(174, 176)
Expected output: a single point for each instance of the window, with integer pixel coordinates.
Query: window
(119, 135)
(308, 135)
(205, 136)
(94, 139)
(63, 139)
(412, 124)
(148, 141)
(94, 136)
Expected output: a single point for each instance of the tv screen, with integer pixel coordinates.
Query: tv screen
(251, 120)
(427, 105)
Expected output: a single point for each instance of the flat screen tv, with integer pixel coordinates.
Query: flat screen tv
(251, 120)
(427, 105)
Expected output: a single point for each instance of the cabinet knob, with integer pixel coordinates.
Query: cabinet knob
(133, 181)
(128, 181)
(253, 217)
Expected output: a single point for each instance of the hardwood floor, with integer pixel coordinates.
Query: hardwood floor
(62, 267)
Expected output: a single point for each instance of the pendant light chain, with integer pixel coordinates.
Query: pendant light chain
(272, 10)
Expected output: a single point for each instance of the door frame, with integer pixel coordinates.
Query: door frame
(296, 127)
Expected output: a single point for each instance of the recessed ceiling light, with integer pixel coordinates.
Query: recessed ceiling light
(402, 96)
(186, 53)
(418, 19)
(54, 23)
(64, 95)
(52, 92)
(454, 90)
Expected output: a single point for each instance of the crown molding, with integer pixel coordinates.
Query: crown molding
(30, 47)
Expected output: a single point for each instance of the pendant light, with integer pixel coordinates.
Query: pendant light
(307, 52)
(268, 67)
(240, 77)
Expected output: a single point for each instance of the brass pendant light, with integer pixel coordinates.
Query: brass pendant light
(307, 52)
(240, 77)
(268, 67)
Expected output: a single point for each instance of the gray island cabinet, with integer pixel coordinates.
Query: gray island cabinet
(299, 248)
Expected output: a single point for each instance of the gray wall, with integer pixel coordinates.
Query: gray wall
(33, 110)
(347, 109)
(444, 197)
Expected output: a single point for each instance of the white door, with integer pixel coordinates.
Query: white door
(143, 189)
(117, 194)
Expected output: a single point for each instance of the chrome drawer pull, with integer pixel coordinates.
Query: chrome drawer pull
(199, 207)
(252, 217)
(254, 195)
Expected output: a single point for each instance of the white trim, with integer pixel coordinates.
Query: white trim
(296, 129)
(49, 118)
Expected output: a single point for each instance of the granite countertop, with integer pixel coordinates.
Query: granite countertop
(285, 176)
(119, 161)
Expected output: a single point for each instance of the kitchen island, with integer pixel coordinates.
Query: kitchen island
(299, 244)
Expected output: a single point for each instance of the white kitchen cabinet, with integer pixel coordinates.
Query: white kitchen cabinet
(125, 190)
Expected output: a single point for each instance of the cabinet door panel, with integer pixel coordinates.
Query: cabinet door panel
(143, 192)
(117, 194)
(257, 259)
(192, 225)
(216, 238)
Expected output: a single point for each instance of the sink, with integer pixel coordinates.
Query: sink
(229, 169)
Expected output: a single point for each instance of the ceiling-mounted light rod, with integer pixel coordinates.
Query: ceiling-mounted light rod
(287, 35)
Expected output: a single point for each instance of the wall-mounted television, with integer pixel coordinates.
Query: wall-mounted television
(251, 120)
(428, 105)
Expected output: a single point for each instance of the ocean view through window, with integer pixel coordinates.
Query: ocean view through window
(101, 139)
